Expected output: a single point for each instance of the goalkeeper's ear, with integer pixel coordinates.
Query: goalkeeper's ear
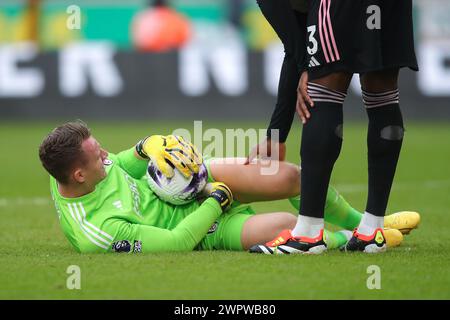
(78, 176)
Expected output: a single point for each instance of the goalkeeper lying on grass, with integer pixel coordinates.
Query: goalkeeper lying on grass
(104, 203)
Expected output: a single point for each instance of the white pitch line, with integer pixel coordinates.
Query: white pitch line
(342, 188)
(25, 201)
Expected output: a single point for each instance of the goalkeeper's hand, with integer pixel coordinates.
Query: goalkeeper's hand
(220, 192)
(170, 152)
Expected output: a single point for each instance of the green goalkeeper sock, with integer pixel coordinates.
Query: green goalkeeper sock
(337, 210)
(337, 239)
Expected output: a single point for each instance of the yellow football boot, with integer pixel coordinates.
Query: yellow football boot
(404, 221)
(393, 237)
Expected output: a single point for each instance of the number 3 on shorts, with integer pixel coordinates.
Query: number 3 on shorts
(312, 40)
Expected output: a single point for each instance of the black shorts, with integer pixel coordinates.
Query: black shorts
(359, 36)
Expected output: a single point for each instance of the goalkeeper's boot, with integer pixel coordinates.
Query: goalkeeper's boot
(394, 237)
(405, 221)
(286, 243)
(374, 243)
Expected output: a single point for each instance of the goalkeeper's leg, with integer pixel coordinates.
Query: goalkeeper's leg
(250, 183)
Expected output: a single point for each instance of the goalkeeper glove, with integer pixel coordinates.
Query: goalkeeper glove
(220, 192)
(169, 152)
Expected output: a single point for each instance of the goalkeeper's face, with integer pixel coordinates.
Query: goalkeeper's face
(93, 169)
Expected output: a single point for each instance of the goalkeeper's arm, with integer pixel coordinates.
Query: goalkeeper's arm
(187, 234)
(184, 237)
(132, 163)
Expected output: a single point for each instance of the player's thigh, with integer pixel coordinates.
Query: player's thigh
(338, 81)
(261, 228)
(379, 81)
(225, 233)
(271, 180)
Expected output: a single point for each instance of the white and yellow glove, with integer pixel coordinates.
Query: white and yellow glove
(169, 152)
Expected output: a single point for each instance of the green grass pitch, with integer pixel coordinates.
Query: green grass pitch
(34, 255)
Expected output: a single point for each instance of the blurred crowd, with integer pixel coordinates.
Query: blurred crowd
(149, 25)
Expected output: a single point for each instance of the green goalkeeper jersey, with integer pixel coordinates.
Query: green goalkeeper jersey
(122, 214)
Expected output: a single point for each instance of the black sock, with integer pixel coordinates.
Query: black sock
(320, 148)
(384, 142)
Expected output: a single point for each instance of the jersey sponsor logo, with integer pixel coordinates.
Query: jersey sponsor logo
(107, 162)
(121, 246)
(213, 227)
(137, 246)
(136, 197)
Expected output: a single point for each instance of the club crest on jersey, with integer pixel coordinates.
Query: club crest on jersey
(107, 162)
(213, 228)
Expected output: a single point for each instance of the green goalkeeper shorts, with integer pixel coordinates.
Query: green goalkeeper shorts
(225, 233)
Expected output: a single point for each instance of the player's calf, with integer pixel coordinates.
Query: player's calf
(320, 147)
(384, 142)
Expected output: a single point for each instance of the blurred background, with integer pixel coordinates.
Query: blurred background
(176, 59)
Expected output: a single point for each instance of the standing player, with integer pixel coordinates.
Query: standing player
(375, 39)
